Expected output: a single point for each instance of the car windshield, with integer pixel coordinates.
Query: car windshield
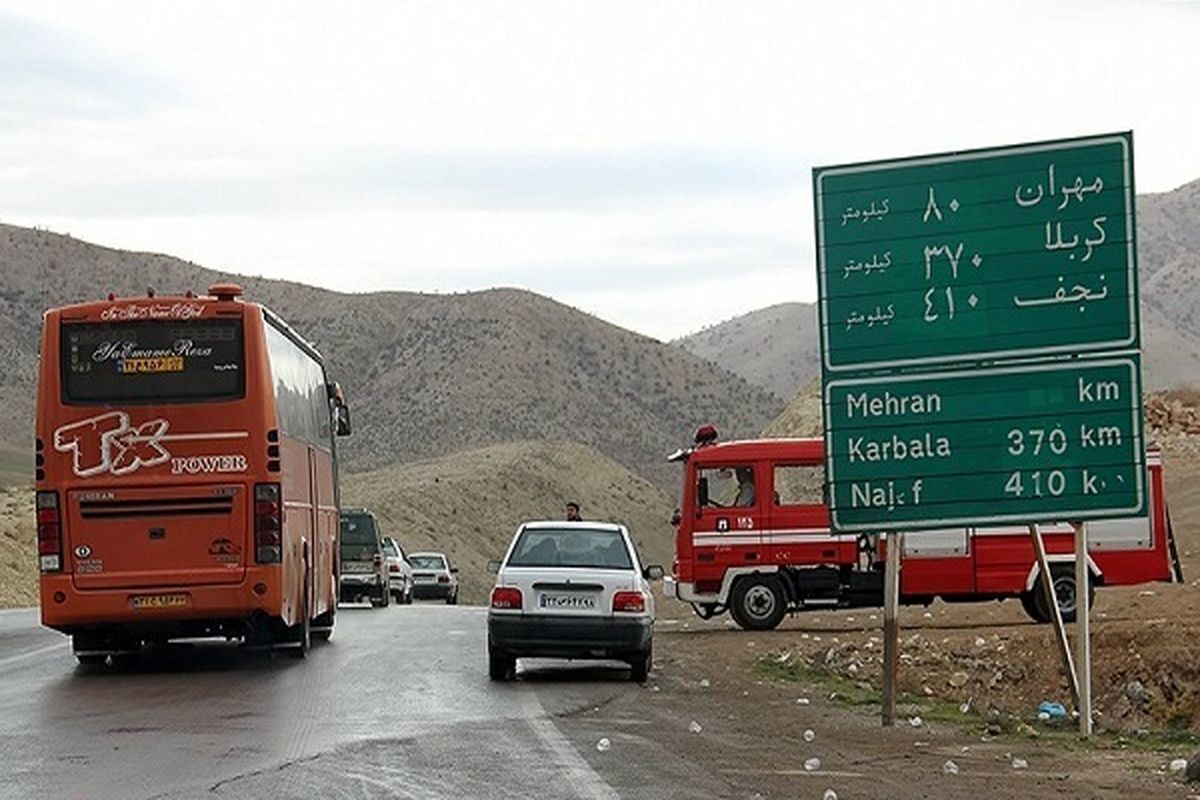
(358, 537)
(427, 562)
(550, 547)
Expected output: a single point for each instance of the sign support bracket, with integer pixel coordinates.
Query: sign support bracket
(1046, 584)
(891, 626)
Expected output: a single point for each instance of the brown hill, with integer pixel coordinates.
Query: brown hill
(776, 347)
(425, 374)
(469, 504)
(18, 553)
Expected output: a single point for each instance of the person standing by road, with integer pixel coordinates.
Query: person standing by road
(573, 512)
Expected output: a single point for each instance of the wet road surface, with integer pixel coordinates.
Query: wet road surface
(398, 704)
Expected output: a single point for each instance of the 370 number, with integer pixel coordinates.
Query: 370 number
(1035, 439)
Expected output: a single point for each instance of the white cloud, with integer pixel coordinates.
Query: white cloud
(621, 156)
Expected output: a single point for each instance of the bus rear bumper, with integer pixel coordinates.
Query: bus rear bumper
(169, 611)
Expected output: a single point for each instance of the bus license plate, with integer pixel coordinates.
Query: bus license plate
(567, 601)
(159, 600)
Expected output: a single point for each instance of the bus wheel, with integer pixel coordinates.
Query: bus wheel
(758, 603)
(322, 626)
(303, 628)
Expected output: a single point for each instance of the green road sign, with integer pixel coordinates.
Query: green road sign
(971, 257)
(1054, 441)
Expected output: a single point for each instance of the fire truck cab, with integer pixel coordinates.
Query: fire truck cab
(753, 537)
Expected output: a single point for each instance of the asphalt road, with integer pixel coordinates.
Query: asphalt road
(398, 704)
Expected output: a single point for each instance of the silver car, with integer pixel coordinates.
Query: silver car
(434, 578)
(399, 571)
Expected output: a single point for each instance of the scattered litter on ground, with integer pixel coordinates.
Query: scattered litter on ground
(603, 745)
(695, 727)
(809, 736)
(1020, 763)
(812, 765)
(950, 768)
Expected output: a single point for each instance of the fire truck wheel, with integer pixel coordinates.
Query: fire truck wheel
(1063, 577)
(1031, 606)
(758, 602)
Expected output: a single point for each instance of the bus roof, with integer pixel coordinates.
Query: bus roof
(223, 299)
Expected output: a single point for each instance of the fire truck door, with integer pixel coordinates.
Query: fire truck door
(728, 516)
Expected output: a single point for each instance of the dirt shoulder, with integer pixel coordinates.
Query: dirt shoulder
(753, 696)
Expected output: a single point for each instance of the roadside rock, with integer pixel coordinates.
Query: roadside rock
(1192, 773)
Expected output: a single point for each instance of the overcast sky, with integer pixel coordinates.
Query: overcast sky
(646, 162)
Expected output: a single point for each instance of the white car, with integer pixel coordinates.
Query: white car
(571, 590)
(433, 578)
(399, 571)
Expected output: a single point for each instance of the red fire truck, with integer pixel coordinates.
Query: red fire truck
(753, 537)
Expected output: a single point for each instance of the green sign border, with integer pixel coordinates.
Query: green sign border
(1020, 517)
(1130, 341)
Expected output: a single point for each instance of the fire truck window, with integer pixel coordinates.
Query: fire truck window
(799, 485)
(727, 487)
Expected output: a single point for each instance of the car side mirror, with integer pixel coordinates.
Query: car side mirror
(493, 567)
(342, 414)
(454, 570)
(653, 572)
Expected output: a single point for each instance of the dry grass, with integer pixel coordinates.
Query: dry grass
(469, 504)
(18, 552)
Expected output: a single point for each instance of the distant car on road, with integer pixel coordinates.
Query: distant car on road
(434, 578)
(571, 590)
(399, 571)
(363, 570)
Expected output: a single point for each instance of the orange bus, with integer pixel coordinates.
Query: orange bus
(186, 473)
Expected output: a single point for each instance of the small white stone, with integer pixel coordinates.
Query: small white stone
(809, 736)
(950, 768)
(1020, 763)
(1178, 765)
(695, 727)
(812, 765)
(603, 745)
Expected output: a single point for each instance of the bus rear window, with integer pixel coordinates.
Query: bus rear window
(153, 361)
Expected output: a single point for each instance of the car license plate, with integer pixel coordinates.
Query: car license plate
(424, 579)
(567, 601)
(159, 600)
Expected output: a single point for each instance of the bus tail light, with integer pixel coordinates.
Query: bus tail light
(268, 524)
(49, 531)
(506, 597)
(629, 602)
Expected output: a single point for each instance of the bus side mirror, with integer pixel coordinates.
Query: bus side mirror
(342, 414)
(702, 488)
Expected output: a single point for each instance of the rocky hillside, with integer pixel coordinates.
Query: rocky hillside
(18, 549)
(425, 374)
(469, 504)
(776, 347)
